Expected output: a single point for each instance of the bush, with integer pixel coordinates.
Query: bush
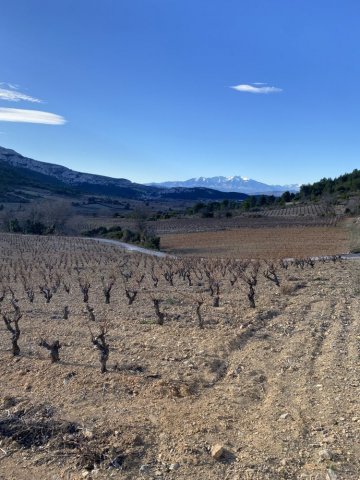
(152, 242)
(116, 228)
(31, 227)
(207, 214)
(144, 239)
(95, 231)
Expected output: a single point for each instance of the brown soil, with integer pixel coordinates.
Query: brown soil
(277, 386)
(260, 242)
(256, 220)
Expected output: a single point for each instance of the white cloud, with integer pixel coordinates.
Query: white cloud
(9, 85)
(252, 89)
(30, 116)
(13, 95)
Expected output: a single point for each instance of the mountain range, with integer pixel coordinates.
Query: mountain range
(18, 171)
(231, 184)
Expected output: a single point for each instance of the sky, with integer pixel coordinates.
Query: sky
(156, 90)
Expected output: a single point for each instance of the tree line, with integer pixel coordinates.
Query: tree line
(342, 185)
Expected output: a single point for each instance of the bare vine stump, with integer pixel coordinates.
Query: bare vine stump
(53, 349)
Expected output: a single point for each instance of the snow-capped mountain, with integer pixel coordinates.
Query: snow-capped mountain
(231, 184)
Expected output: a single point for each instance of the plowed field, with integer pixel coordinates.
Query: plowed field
(278, 242)
(276, 386)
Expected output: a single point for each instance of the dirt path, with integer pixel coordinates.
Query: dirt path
(131, 248)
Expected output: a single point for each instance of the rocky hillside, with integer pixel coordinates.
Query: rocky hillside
(65, 175)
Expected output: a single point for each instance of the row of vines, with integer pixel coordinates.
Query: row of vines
(62, 278)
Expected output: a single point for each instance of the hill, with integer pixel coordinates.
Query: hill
(17, 177)
(17, 171)
(342, 186)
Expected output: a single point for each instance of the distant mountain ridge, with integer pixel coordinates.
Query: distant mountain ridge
(19, 171)
(64, 174)
(230, 184)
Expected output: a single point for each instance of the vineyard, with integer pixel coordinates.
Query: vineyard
(258, 220)
(119, 365)
(262, 243)
(286, 217)
(312, 210)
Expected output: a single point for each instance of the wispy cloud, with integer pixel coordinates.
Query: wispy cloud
(12, 94)
(30, 116)
(255, 89)
(14, 86)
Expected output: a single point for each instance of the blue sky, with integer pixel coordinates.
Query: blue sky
(141, 89)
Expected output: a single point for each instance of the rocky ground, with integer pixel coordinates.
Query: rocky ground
(264, 393)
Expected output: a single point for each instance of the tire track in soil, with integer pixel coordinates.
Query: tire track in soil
(319, 410)
(338, 373)
(293, 407)
(274, 369)
(280, 419)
